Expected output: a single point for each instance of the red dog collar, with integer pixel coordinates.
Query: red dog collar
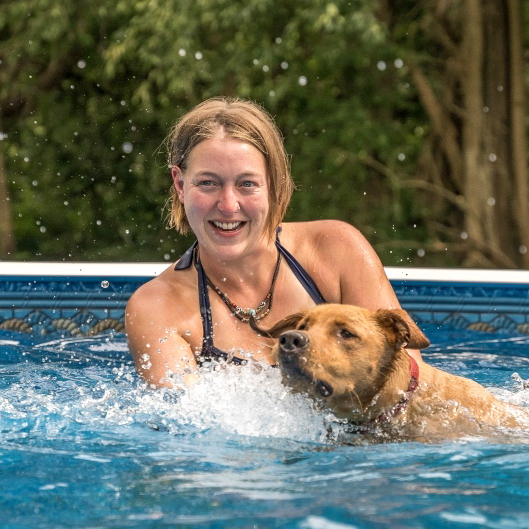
(401, 405)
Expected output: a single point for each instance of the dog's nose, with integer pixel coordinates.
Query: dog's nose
(293, 341)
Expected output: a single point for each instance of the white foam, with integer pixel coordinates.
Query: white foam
(252, 402)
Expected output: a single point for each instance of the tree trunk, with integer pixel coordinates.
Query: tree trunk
(480, 119)
(517, 115)
(7, 237)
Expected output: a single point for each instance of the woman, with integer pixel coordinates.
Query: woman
(232, 186)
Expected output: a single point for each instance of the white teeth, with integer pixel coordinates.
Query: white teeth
(227, 225)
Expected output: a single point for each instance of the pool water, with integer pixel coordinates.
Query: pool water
(83, 443)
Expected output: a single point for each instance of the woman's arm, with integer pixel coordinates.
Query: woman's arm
(157, 347)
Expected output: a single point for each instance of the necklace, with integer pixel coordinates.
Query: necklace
(244, 315)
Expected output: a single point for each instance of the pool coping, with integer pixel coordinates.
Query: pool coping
(149, 270)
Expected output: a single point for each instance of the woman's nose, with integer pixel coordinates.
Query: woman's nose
(228, 201)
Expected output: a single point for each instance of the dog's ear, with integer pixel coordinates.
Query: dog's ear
(281, 326)
(403, 328)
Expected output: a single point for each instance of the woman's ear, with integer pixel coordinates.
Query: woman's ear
(178, 181)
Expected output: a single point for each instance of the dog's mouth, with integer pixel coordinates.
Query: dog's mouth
(295, 373)
(324, 388)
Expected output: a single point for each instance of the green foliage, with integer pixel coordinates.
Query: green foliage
(89, 90)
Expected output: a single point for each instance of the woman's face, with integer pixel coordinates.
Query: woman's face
(224, 191)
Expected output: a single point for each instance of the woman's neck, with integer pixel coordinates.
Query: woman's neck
(250, 273)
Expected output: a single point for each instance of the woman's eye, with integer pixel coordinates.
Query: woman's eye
(248, 183)
(344, 333)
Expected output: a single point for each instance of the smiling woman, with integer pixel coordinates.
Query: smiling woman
(232, 186)
(225, 196)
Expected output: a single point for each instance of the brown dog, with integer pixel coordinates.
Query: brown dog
(354, 362)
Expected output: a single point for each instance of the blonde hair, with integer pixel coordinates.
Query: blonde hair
(241, 120)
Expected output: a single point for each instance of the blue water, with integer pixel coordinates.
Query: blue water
(84, 444)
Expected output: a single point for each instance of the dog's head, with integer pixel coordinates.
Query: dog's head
(342, 354)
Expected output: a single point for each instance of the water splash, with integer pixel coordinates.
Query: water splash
(250, 400)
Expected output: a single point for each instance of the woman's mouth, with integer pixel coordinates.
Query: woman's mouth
(227, 226)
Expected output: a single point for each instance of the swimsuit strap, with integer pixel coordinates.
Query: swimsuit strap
(209, 351)
(301, 274)
(187, 259)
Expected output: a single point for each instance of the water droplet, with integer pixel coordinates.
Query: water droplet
(492, 157)
(81, 64)
(182, 52)
(420, 252)
(381, 65)
(302, 80)
(399, 63)
(284, 65)
(127, 147)
(491, 201)
(198, 55)
(401, 156)
(523, 249)
(104, 283)
(265, 67)
(464, 235)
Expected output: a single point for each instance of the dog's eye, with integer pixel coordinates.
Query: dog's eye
(302, 327)
(347, 335)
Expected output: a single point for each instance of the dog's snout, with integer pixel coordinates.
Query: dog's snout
(293, 340)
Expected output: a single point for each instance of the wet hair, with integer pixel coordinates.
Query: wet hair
(242, 120)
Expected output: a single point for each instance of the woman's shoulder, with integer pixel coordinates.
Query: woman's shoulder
(325, 235)
(342, 262)
(169, 289)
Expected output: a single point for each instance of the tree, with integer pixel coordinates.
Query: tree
(471, 84)
(375, 99)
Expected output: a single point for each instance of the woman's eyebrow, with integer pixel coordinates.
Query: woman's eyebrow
(244, 174)
(206, 173)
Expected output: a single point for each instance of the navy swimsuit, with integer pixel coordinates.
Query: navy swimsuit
(209, 351)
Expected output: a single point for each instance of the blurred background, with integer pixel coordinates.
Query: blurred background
(407, 119)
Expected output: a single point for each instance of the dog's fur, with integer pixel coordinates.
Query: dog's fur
(354, 362)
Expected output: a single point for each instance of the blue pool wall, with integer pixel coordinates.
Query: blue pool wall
(84, 299)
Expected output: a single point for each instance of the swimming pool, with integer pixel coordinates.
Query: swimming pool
(84, 444)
